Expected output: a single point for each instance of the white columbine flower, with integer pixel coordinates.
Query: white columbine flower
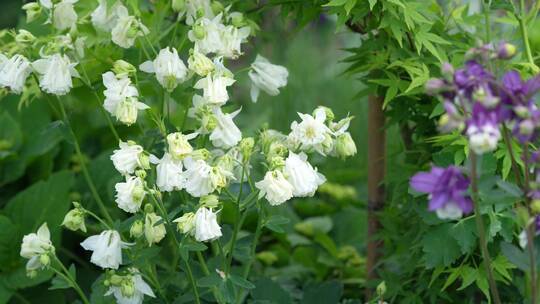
(107, 249)
(311, 132)
(231, 41)
(64, 15)
(275, 187)
(127, 158)
(215, 88)
(226, 134)
(186, 223)
(121, 98)
(483, 139)
(206, 225)
(131, 290)
(206, 35)
(55, 73)
(200, 64)
(304, 179)
(105, 19)
(179, 146)
(127, 29)
(13, 72)
(170, 70)
(194, 7)
(197, 177)
(35, 245)
(267, 77)
(152, 232)
(130, 194)
(169, 174)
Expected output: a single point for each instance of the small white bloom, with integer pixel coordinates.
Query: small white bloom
(267, 77)
(186, 223)
(64, 15)
(522, 238)
(275, 188)
(13, 72)
(130, 194)
(345, 145)
(200, 64)
(311, 132)
(215, 88)
(35, 245)
(169, 174)
(170, 70)
(179, 146)
(299, 172)
(152, 232)
(206, 225)
(55, 74)
(483, 139)
(197, 178)
(196, 9)
(105, 19)
(206, 35)
(121, 98)
(127, 29)
(226, 134)
(127, 158)
(231, 41)
(132, 289)
(107, 249)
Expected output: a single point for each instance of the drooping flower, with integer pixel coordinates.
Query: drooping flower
(447, 189)
(74, 219)
(275, 188)
(152, 232)
(128, 157)
(231, 40)
(55, 73)
(105, 18)
(169, 174)
(64, 15)
(345, 146)
(121, 98)
(35, 246)
(186, 223)
(206, 225)
(200, 64)
(131, 289)
(483, 130)
(206, 35)
(202, 179)
(226, 134)
(267, 77)
(215, 88)
(299, 172)
(311, 132)
(106, 249)
(130, 194)
(13, 72)
(179, 146)
(127, 29)
(472, 77)
(170, 70)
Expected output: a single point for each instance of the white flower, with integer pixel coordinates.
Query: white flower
(231, 41)
(206, 225)
(107, 249)
(34, 245)
(200, 64)
(127, 29)
(267, 77)
(169, 174)
(197, 178)
(132, 289)
(275, 188)
(215, 88)
(127, 158)
(105, 19)
(130, 194)
(179, 146)
(152, 232)
(46, 3)
(170, 70)
(186, 223)
(484, 138)
(311, 132)
(304, 179)
(55, 74)
(206, 35)
(13, 72)
(226, 134)
(450, 211)
(121, 98)
(64, 15)
(194, 7)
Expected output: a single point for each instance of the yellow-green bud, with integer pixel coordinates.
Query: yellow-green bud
(74, 219)
(277, 149)
(140, 173)
(217, 7)
(178, 5)
(115, 280)
(277, 162)
(267, 257)
(137, 229)
(506, 51)
(24, 36)
(44, 260)
(144, 161)
(148, 208)
(186, 223)
(138, 193)
(246, 147)
(237, 19)
(123, 68)
(179, 146)
(33, 11)
(535, 206)
(199, 32)
(381, 288)
(345, 146)
(209, 201)
(218, 178)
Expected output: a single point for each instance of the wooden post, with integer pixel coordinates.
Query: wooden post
(376, 172)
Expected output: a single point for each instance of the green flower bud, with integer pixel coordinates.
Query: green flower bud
(138, 193)
(140, 174)
(148, 208)
(33, 11)
(277, 162)
(217, 7)
(506, 51)
(267, 257)
(201, 154)
(277, 149)
(123, 68)
(179, 146)
(381, 289)
(152, 232)
(209, 201)
(535, 206)
(144, 161)
(186, 223)
(199, 32)
(246, 147)
(345, 146)
(136, 229)
(178, 5)
(45, 260)
(24, 36)
(115, 280)
(237, 19)
(74, 219)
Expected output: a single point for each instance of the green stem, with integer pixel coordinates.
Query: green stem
(87, 177)
(486, 9)
(530, 230)
(98, 219)
(238, 222)
(481, 230)
(525, 36)
(70, 280)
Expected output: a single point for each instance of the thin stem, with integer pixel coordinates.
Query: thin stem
(487, 26)
(481, 231)
(70, 280)
(98, 219)
(525, 36)
(87, 176)
(238, 223)
(530, 231)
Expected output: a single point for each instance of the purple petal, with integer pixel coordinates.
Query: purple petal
(532, 86)
(512, 81)
(424, 182)
(437, 201)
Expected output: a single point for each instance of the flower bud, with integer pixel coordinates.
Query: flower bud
(200, 64)
(327, 111)
(218, 178)
(179, 146)
(24, 36)
(381, 289)
(136, 229)
(535, 206)
(434, 86)
(123, 68)
(327, 144)
(217, 7)
(522, 111)
(345, 145)
(148, 208)
(506, 50)
(74, 219)
(115, 280)
(44, 260)
(209, 122)
(126, 112)
(209, 201)
(199, 32)
(277, 149)
(178, 5)
(144, 161)
(226, 162)
(186, 223)
(138, 193)
(33, 11)
(237, 19)
(153, 232)
(140, 174)
(277, 162)
(447, 70)
(246, 147)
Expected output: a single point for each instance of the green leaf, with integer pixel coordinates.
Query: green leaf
(325, 293)
(241, 282)
(209, 281)
(336, 3)
(314, 225)
(275, 223)
(440, 247)
(59, 283)
(268, 291)
(9, 235)
(10, 133)
(468, 276)
(510, 188)
(516, 256)
(464, 232)
(372, 4)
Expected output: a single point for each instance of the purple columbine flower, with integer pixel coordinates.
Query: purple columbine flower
(483, 129)
(471, 78)
(447, 189)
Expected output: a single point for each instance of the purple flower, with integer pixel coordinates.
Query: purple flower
(483, 129)
(472, 77)
(447, 191)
